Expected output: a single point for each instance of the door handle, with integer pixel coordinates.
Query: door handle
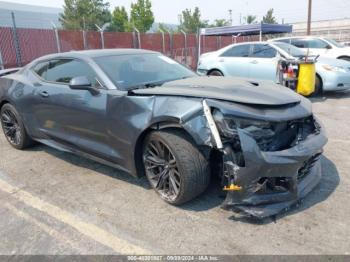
(254, 62)
(44, 94)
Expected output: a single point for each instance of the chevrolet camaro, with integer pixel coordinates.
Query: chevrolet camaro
(143, 113)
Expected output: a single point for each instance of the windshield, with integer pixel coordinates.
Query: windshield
(290, 49)
(333, 42)
(129, 72)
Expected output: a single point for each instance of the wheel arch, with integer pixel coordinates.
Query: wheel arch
(216, 69)
(171, 123)
(3, 102)
(345, 57)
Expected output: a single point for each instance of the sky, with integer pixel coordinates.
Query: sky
(167, 11)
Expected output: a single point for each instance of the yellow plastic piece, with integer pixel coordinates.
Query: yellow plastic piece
(232, 187)
(306, 79)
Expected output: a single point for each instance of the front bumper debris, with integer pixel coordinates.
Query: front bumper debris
(273, 181)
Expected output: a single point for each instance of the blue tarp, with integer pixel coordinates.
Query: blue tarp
(251, 29)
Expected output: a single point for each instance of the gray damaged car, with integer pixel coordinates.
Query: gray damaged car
(144, 113)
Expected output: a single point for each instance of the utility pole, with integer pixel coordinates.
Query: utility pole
(308, 31)
(230, 15)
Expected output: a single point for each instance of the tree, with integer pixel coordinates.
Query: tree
(164, 28)
(220, 22)
(190, 22)
(141, 15)
(269, 18)
(120, 20)
(250, 19)
(84, 14)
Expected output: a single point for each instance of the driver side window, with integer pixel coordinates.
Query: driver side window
(63, 70)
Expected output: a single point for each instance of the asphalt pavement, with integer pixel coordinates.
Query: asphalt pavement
(58, 203)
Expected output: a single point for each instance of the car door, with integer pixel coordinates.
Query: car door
(263, 62)
(76, 118)
(235, 60)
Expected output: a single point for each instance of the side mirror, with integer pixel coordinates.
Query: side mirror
(328, 47)
(83, 83)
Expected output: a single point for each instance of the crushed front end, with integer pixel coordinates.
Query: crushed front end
(270, 155)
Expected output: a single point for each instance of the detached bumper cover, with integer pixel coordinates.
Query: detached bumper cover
(296, 171)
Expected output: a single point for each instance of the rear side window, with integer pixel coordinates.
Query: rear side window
(316, 43)
(237, 51)
(63, 70)
(263, 51)
(301, 43)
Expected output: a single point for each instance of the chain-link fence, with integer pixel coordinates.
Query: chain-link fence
(19, 46)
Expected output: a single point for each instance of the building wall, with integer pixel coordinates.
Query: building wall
(337, 29)
(28, 16)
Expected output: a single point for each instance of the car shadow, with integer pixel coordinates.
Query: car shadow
(92, 165)
(329, 182)
(330, 95)
(213, 196)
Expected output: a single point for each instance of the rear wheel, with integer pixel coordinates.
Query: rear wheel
(215, 73)
(175, 168)
(13, 128)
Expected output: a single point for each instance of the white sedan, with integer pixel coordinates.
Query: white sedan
(324, 47)
(259, 60)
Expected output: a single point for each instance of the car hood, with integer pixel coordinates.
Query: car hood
(333, 62)
(226, 88)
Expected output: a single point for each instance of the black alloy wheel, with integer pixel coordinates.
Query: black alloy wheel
(162, 170)
(174, 166)
(11, 127)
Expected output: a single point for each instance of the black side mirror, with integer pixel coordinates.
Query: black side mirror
(328, 47)
(83, 83)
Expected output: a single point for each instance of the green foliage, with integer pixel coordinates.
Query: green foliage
(269, 18)
(84, 14)
(250, 19)
(164, 28)
(120, 20)
(220, 22)
(190, 22)
(141, 15)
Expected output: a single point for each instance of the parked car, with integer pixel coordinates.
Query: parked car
(144, 113)
(259, 60)
(325, 47)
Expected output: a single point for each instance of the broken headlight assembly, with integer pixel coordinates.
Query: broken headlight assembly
(269, 136)
(262, 131)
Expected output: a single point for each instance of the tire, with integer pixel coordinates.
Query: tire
(13, 128)
(318, 86)
(346, 58)
(215, 73)
(181, 161)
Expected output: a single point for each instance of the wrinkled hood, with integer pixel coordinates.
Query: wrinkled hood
(226, 88)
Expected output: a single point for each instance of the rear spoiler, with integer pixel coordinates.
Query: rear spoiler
(9, 71)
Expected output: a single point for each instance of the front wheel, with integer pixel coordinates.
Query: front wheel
(318, 86)
(175, 168)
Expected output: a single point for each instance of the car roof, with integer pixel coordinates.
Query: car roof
(293, 37)
(86, 54)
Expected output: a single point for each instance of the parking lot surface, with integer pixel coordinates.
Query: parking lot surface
(57, 203)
